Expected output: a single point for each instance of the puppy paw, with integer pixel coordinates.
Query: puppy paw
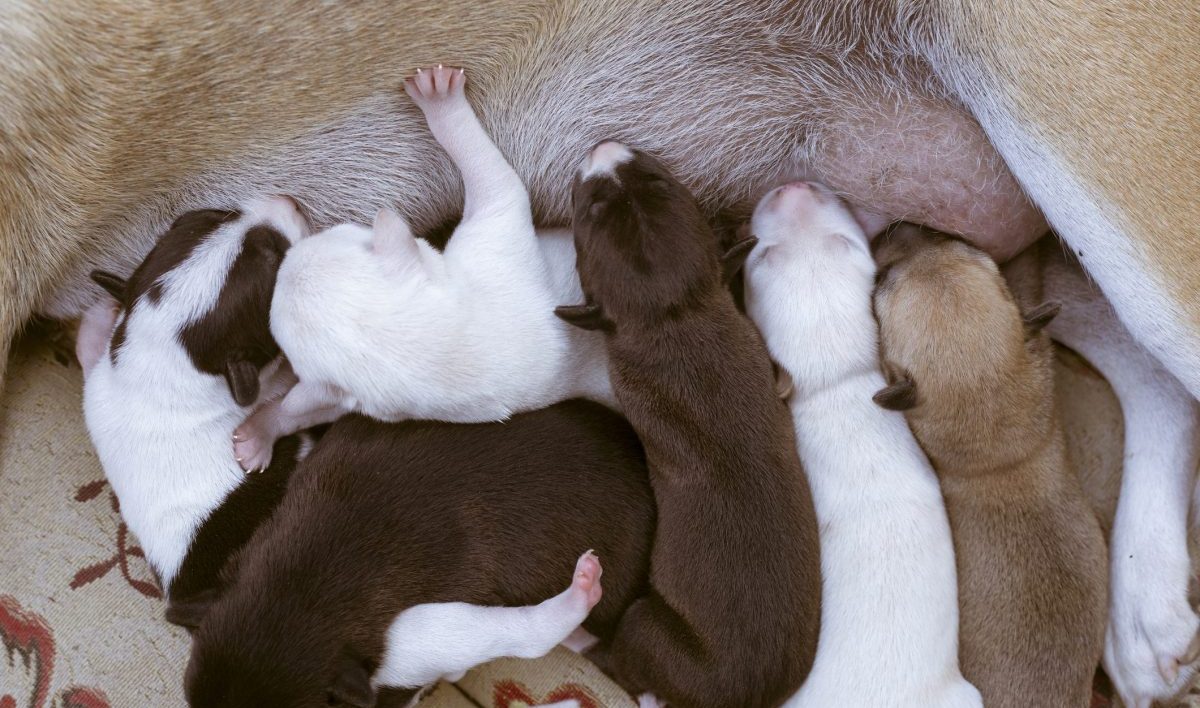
(252, 446)
(585, 584)
(1151, 648)
(437, 88)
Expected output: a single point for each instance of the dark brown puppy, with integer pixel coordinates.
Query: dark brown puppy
(732, 614)
(383, 517)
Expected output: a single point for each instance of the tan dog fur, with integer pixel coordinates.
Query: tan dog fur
(976, 380)
(1095, 108)
(116, 117)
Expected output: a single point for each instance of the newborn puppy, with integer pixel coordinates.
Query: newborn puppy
(172, 363)
(975, 380)
(733, 608)
(889, 604)
(377, 321)
(389, 528)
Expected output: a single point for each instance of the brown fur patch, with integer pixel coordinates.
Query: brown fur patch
(381, 517)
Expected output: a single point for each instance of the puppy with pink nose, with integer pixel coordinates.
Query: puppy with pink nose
(889, 612)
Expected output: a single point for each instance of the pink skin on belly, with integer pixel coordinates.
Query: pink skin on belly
(928, 163)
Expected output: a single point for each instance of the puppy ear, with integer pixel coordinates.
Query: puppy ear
(242, 378)
(351, 684)
(393, 237)
(190, 612)
(784, 385)
(1036, 319)
(113, 284)
(735, 258)
(900, 395)
(589, 317)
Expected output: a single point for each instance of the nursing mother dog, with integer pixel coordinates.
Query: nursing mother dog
(117, 116)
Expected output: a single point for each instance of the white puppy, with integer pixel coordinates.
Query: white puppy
(889, 609)
(378, 322)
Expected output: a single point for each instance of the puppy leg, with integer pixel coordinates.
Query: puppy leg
(447, 639)
(490, 186)
(305, 405)
(95, 330)
(1151, 640)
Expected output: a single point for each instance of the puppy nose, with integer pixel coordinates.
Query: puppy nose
(604, 158)
(794, 195)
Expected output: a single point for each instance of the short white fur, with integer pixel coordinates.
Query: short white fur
(1151, 641)
(889, 605)
(160, 426)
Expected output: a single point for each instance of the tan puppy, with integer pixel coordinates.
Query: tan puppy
(975, 380)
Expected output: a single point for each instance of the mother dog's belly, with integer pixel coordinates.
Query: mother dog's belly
(733, 107)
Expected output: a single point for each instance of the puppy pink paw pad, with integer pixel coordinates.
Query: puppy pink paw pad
(251, 449)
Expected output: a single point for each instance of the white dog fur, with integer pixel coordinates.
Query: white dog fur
(443, 640)
(889, 614)
(378, 322)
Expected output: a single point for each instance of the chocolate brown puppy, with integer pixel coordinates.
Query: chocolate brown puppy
(732, 613)
(974, 377)
(359, 579)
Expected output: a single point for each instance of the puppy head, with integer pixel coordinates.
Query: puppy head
(207, 286)
(973, 373)
(805, 225)
(643, 247)
(808, 283)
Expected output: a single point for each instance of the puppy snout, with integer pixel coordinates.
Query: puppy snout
(603, 158)
(795, 196)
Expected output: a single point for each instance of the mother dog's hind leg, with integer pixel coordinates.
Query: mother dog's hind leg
(1092, 109)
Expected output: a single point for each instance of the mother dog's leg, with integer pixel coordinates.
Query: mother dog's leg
(1152, 638)
(1093, 108)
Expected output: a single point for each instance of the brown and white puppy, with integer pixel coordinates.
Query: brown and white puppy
(733, 608)
(974, 378)
(362, 576)
(173, 359)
